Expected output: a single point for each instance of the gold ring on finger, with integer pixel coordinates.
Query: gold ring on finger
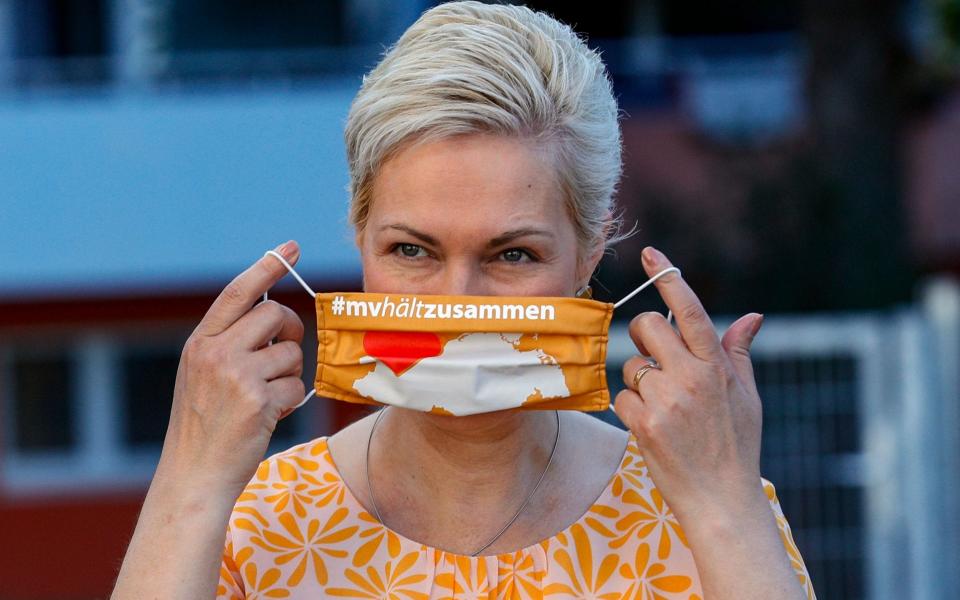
(641, 372)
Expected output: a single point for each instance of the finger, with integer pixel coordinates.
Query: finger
(267, 320)
(643, 385)
(245, 289)
(655, 337)
(630, 369)
(279, 360)
(640, 347)
(629, 407)
(285, 393)
(696, 328)
(736, 343)
(311, 394)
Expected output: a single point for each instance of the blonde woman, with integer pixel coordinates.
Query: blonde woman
(484, 151)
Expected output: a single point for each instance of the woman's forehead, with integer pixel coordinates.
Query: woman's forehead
(479, 183)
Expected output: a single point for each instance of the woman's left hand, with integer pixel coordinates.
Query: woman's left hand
(697, 419)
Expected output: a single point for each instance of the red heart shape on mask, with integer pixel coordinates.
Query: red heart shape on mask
(400, 350)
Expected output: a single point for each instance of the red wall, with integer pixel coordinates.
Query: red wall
(63, 547)
(66, 546)
(71, 311)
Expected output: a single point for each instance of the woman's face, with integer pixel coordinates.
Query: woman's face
(471, 215)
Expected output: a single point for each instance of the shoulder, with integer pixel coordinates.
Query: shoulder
(301, 476)
(628, 532)
(595, 447)
(308, 456)
(294, 523)
(592, 431)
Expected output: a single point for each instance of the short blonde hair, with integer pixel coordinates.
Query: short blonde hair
(469, 67)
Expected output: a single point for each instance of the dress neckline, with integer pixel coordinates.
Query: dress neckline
(602, 499)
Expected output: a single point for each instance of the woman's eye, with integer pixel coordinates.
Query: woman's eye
(515, 255)
(411, 250)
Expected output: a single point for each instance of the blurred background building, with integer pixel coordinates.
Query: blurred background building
(796, 158)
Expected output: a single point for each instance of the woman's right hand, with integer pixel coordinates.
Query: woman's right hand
(232, 387)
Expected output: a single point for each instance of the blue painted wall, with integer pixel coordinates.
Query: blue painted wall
(121, 193)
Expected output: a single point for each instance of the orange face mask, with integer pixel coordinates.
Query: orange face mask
(462, 355)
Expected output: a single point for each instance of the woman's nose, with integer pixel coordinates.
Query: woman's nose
(463, 280)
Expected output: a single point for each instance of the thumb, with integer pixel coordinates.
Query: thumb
(736, 342)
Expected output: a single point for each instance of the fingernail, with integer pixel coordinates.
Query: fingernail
(649, 256)
(756, 326)
(285, 249)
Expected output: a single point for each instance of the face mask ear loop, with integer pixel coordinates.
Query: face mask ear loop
(292, 272)
(641, 288)
(637, 291)
(309, 291)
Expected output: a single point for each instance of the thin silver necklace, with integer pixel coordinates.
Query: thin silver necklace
(376, 512)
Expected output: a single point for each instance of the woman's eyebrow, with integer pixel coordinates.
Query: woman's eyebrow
(423, 237)
(504, 238)
(508, 236)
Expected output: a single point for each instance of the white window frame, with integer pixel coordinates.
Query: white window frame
(100, 459)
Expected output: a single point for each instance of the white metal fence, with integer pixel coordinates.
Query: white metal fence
(862, 440)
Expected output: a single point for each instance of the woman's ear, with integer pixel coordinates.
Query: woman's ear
(588, 265)
(590, 262)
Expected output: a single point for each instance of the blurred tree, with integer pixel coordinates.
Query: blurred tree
(615, 20)
(947, 14)
(695, 17)
(821, 225)
(795, 225)
(857, 67)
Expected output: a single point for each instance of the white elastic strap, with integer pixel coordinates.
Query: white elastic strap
(305, 398)
(292, 272)
(642, 287)
(303, 283)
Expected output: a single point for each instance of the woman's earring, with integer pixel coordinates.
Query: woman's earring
(585, 292)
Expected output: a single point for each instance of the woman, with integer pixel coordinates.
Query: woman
(484, 150)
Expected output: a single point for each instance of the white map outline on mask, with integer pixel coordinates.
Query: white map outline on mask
(475, 373)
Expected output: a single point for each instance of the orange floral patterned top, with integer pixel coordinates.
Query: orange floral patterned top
(298, 532)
